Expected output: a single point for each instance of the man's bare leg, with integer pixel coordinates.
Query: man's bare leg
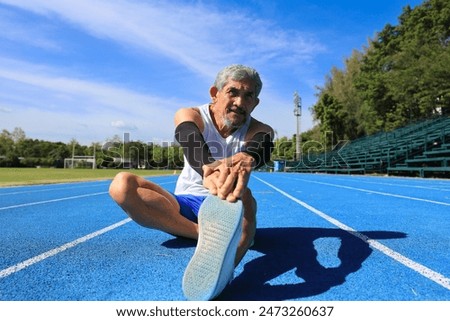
(150, 205)
(248, 225)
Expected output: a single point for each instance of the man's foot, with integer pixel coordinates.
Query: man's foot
(212, 265)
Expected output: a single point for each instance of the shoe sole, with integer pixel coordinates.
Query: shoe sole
(212, 265)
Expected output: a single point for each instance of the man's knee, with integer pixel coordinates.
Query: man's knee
(121, 186)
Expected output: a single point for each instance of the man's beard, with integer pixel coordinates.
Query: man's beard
(230, 124)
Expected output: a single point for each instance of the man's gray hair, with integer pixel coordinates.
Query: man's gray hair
(237, 73)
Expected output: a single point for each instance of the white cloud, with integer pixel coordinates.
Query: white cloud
(120, 124)
(195, 35)
(5, 109)
(14, 29)
(39, 99)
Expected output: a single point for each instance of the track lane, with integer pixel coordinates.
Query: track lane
(293, 247)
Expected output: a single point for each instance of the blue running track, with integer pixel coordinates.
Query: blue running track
(320, 237)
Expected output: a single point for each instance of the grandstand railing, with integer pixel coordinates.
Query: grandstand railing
(421, 149)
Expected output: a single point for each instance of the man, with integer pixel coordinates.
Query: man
(222, 144)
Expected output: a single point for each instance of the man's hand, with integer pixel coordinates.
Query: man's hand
(228, 178)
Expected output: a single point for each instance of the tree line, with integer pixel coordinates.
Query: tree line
(17, 150)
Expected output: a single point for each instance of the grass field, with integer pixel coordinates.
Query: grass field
(28, 176)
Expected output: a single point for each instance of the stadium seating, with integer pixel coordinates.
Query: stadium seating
(420, 149)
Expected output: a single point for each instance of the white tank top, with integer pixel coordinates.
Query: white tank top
(189, 181)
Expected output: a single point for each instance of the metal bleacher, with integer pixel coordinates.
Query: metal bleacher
(420, 149)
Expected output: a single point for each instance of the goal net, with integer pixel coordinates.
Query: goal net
(80, 162)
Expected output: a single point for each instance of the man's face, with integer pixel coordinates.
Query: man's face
(236, 101)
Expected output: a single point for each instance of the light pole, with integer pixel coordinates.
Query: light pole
(298, 115)
(73, 153)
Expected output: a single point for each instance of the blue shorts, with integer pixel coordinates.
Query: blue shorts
(189, 205)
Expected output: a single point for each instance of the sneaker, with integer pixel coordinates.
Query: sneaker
(212, 265)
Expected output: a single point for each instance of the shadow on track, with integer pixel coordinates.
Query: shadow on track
(287, 249)
(293, 249)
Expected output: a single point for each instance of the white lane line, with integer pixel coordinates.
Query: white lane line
(51, 201)
(372, 182)
(375, 192)
(28, 191)
(421, 269)
(63, 199)
(22, 265)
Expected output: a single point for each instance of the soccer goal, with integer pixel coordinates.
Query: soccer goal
(80, 162)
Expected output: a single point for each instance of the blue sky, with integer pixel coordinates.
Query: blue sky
(92, 69)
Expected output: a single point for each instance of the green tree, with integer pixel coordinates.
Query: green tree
(420, 81)
(332, 116)
(340, 95)
(6, 142)
(376, 68)
(284, 148)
